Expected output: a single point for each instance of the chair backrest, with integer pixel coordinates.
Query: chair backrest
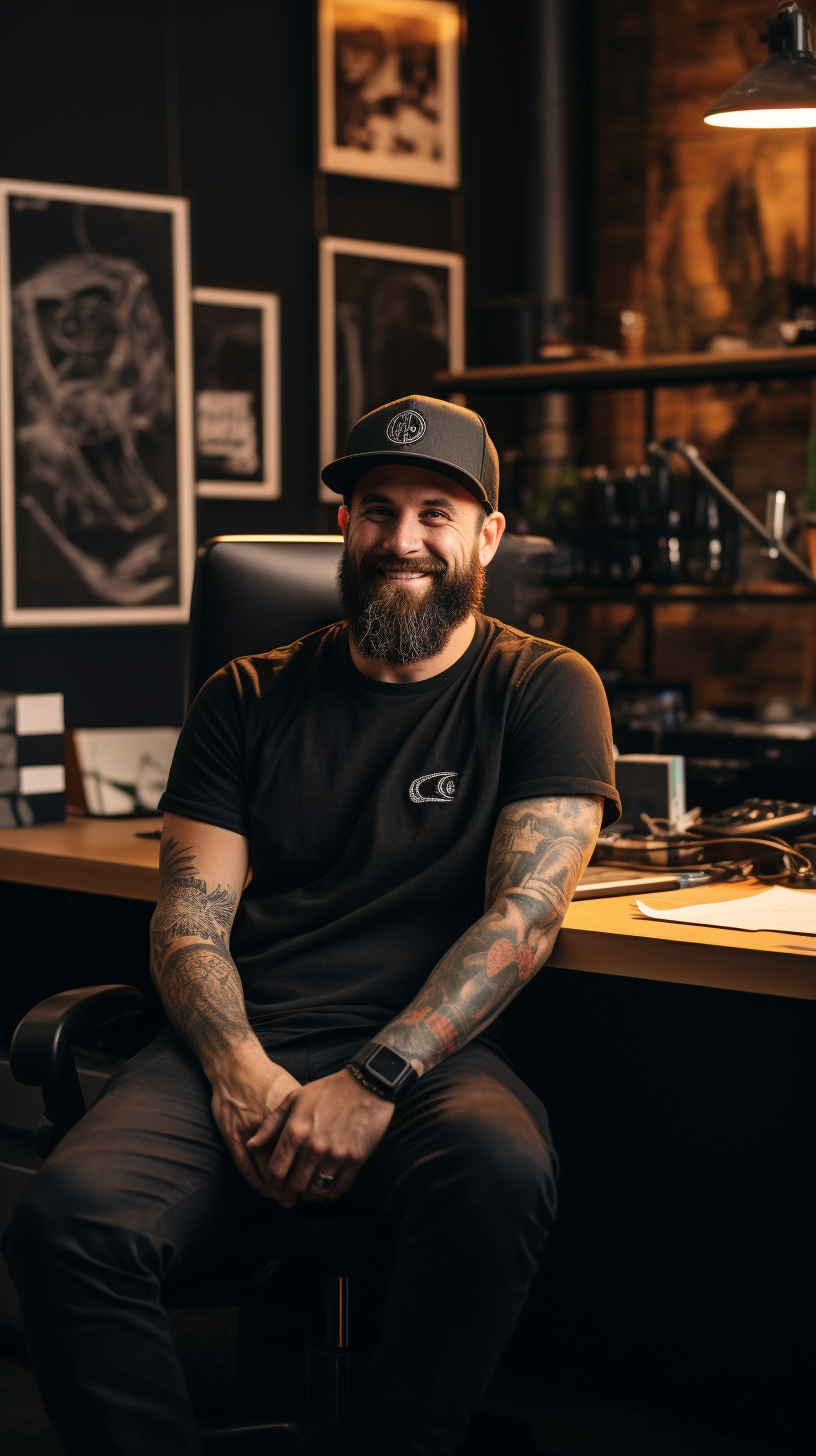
(253, 593)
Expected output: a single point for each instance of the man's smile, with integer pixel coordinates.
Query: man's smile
(393, 573)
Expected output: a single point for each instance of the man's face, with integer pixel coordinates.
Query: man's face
(416, 547)
(356, 62)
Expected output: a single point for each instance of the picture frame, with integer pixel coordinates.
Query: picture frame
(97, 503)
(388, 90)
(390, 316)
(236, 350)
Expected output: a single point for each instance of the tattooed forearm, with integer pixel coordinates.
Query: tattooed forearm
(190, 961)
(539, 851)
(203, 998)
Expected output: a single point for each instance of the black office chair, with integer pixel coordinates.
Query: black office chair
(253, 593)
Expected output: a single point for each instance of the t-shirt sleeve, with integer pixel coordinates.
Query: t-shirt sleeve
(560, 735)
(206, 780)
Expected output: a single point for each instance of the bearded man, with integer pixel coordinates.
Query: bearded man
(417, 790)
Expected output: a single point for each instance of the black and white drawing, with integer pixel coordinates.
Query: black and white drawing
(389, 89)
(96, 470)
(390, 317)
(236, 344)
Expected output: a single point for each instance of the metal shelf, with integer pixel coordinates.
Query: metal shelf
(646, 599)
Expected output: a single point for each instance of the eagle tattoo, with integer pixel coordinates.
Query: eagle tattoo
(190, 911)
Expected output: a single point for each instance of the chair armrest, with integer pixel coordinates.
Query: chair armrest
(40, 1053)
(42, 1039)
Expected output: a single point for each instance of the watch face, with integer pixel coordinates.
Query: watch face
(387, 1064)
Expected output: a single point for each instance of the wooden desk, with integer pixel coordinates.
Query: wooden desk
(97, 856)
(605, 936)
(612, 937)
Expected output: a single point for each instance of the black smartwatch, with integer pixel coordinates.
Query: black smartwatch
(389, 1071)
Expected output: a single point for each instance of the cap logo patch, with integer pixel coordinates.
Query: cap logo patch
(406, 428)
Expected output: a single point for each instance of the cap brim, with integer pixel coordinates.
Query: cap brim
(341, 474)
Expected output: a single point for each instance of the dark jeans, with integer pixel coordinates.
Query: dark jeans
(139, 1187)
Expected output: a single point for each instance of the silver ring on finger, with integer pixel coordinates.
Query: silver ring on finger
(322, 1181)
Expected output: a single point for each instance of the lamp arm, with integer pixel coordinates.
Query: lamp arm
(690, 453)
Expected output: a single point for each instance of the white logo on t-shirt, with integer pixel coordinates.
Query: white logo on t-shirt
(444, 787)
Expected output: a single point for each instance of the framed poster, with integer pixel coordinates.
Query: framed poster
(390, 317)
(236, 347)
(388, 89)
(96, 438)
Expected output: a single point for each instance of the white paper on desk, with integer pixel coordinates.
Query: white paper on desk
(777, 909)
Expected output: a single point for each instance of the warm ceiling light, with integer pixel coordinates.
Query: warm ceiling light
(781, 90)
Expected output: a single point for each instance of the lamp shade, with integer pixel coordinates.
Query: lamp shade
(781, 90)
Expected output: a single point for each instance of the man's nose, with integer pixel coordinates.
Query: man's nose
(404, 535)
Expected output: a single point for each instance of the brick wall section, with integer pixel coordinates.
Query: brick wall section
(623, 48)
(704, 229)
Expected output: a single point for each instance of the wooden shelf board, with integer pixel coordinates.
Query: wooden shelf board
(652, 372)
(758, 593)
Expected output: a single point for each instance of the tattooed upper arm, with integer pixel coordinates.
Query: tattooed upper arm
(539, 850)
(201, 872)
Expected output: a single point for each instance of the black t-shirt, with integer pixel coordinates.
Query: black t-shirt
(369, 808)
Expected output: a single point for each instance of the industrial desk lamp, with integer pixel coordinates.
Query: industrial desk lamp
(781, 90)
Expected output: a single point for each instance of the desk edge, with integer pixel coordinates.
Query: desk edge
(84, 876)
(725, 968)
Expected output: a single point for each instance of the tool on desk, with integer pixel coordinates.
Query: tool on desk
(753, 837)
(722, 858)
(598, 882)
(778, 817)
(780, 909)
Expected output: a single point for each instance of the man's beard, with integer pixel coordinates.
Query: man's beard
(398, 624)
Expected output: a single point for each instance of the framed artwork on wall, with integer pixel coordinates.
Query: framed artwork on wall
(96, 439)
(390, 317)
(236, 347)
(388, 89)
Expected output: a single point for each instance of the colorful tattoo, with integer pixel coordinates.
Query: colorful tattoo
(539, 851)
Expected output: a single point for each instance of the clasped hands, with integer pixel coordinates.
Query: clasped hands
(282, 1134)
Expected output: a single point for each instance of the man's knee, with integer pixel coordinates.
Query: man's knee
(505, 1172)
(67, 1216)
(483, 1156)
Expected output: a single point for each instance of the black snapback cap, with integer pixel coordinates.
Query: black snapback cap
(430, 432)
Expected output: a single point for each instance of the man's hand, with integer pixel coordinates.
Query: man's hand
(333, 1125)
(251, 1097)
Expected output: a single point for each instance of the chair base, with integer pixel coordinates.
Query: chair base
(492, 1435)
(273, 1438)
(330, 1385)
(489, 1435)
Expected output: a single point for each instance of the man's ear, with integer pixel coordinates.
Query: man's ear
(490, 536)
(343, 520)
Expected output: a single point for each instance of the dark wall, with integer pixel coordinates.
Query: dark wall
(217, 101)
